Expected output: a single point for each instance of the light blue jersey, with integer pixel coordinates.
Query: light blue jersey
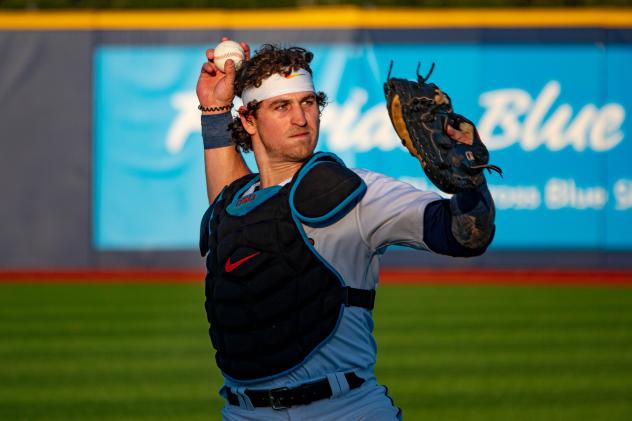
(391, 212)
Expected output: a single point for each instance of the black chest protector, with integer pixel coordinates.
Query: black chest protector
(271, 299)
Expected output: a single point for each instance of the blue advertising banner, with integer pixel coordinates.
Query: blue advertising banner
(149, 182)
(553, 116)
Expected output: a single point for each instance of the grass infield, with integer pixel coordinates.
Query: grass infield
(140, 352)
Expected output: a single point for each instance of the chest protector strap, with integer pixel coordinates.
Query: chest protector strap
(324, 191)
(271, 299)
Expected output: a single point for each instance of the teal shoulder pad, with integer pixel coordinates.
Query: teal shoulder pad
(325, 190)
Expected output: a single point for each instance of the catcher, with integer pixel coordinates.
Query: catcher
(293, 251)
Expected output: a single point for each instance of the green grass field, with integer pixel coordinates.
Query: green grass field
(141, 352)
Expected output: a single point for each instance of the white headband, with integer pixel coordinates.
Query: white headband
(298, 81)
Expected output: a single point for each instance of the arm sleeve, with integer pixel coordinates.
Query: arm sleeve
(391, 212)
(438, 235)
(395, 213)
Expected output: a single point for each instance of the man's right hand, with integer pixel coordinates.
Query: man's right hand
(215, 88)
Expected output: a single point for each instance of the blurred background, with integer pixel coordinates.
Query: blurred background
(102, 187)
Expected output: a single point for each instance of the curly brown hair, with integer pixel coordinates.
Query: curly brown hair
(268, 60)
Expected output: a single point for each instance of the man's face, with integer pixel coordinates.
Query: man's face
(288, 126)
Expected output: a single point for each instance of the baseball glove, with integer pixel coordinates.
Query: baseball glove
(420, 113)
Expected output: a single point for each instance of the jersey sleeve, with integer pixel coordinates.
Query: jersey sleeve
(392, 212)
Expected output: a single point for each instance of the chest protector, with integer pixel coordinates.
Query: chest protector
(271, 299)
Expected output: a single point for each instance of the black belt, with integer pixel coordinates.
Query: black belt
(284, 397)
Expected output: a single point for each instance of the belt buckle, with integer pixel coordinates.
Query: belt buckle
(275, 402)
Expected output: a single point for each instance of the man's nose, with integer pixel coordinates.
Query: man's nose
(298, 116)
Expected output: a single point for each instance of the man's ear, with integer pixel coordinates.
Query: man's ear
(247, 120)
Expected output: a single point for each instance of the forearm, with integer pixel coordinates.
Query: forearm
(223, 164)
(462, 226)
(473, 217)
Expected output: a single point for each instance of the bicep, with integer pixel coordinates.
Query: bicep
(391, 212)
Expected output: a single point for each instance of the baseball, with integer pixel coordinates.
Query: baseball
(228, 50)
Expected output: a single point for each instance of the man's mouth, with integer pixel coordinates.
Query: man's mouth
(301, 134)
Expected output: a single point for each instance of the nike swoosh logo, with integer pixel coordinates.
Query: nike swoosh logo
(230, 266)
(290, 76)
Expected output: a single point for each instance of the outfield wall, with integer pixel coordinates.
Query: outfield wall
(100, 157)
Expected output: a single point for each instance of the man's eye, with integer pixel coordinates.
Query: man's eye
(309, 102)
(281, 107)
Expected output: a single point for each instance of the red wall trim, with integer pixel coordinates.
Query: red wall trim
(387, 276)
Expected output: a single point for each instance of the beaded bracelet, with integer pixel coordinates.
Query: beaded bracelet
(222, 108)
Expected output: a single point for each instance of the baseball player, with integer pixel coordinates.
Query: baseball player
(293, 251)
